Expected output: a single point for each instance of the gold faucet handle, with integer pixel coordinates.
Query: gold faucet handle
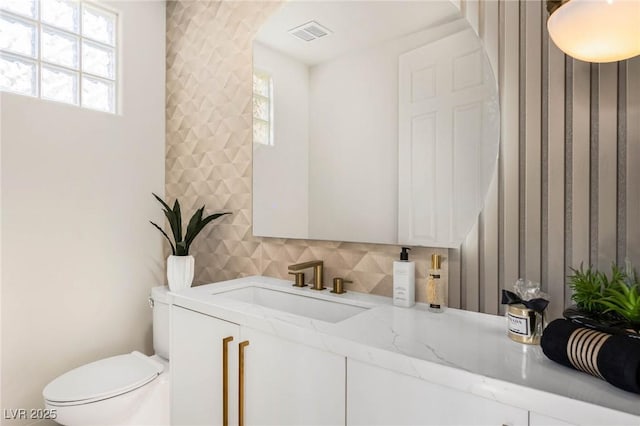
(299, 280)
(338, 285)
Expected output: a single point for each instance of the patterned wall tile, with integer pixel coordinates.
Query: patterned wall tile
(209, 149)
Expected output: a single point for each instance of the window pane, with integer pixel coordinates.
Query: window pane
(99, 25)
(261, 108)
(61, 13)
(98, 94)
(98, 60)
(23, 7)
(17, 75)
(17, 36)
(260, 132)
(261, 85)
(59, 85)
(59, 48)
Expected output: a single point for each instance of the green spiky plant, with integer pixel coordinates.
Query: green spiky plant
(196, 224)
(587, 286)
(616, 298)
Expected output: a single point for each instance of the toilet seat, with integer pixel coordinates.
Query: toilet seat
(102, 379)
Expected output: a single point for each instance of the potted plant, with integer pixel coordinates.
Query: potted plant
(180, 265)
(610, 304)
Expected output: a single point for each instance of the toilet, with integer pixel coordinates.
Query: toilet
(129, 389)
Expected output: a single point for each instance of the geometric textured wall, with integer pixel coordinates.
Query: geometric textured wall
(209, 149)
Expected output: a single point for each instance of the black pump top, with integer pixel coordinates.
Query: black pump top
(404, 255)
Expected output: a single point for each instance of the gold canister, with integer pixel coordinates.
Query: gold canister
(524, 325)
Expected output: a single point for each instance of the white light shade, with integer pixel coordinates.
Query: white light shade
(597, 30)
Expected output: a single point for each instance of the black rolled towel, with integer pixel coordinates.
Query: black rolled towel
(614, 358)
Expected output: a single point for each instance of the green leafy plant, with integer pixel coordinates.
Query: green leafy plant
(587, 286)
(615, 298)
(196, 224)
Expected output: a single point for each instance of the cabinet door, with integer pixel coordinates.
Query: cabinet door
(536, 419)
(376, 396)
(288, 383)
(197, 368)
(587, 415)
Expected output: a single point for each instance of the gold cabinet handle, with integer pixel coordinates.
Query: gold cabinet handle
(241, 347)
(225, 380)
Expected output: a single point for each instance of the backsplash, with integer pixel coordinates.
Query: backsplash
(209, 151)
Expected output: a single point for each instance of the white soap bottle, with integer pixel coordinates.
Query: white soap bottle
(404, 281)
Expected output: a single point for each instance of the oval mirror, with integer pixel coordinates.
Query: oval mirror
(373, 122)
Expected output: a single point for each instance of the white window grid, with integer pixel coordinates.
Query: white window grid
(38, 60)
(262, 75)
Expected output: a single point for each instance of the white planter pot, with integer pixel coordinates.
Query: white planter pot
(180, 272)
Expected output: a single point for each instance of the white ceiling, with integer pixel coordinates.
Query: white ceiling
(355, 24)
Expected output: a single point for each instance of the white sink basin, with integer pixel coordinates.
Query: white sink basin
(297, 304)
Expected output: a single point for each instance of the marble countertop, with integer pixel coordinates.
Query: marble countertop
(463, 350)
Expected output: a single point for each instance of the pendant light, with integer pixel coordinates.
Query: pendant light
(595, 30)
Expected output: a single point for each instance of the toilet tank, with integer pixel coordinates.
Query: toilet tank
(160, 302)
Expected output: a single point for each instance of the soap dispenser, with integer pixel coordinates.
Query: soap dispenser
(404, 280)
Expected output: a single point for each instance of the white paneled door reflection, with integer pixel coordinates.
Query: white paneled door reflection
(447, 151)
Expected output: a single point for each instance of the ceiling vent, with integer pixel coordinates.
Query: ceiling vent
(310, 31)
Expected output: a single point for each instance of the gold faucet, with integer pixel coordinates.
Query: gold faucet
(318, 273)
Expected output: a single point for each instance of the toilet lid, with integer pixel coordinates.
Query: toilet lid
(102, 379)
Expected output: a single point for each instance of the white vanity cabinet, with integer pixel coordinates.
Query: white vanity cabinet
(285, 383)
(376, 396)
(536, 419)
(197, 368)
(586, 415)
(291, 384)
(289, 378)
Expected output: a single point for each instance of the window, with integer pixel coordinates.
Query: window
(61, 50)
(262, 108)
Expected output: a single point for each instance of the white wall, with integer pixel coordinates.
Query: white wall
(280, 172)
(353, 140)
(78, 253)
